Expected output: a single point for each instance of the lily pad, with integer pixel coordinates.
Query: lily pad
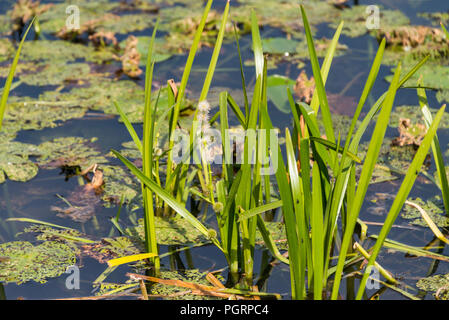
(159, 52)
(277, 91)
(27, 262)
(279, 45)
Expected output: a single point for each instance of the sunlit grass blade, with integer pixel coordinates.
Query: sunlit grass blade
(175, 205)
(376, 107)
(128, 259)
(129, 127)
(333, 146)
(215, 54)
(12, 70)
(325, 68)
(327, 120)
(429, 221)
(289, 216)
(402, 194)
(242, 73)
(365, 177)
(258, 210)
(419, 252)
(257, 46)
(317, 231)
(436, 150)
(37, 222)
(238, 113)
(445, 30)
(184, 80)
(147, 157)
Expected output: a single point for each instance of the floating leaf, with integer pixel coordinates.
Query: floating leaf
(69, 152)
(438, 284)
(173, 231)
(26, 262)
(434, 208)
(14, 161)
(277, 91)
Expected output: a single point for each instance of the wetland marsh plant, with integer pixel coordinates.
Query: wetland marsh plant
(319, 192)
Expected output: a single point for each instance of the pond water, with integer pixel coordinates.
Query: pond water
(35, 198)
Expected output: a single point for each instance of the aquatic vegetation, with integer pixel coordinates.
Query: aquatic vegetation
(434, 208)
(110, 248)
(307, 215)
(192, 276)
(24, 11)
(15, 163)
(438, 284)
(410, 134)
(27, 262)
(30, 114)
(120, 184)
(171, 232)
(414, 42)
(355, 20)
(69, 152)
(131, 58)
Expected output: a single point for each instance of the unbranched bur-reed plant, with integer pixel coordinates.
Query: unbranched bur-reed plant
(320, 194)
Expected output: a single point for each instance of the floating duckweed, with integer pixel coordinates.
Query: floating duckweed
(57, 73)
(69, 152)
(14, 161)
(278, 233)
(111, 248)
(193, 276)
(119, 183)
(355, 20)
(433, 207)
(438, 284)
(26, 262)
(37, 115)
(172, 231)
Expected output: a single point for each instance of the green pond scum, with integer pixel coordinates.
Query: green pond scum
(95, 93)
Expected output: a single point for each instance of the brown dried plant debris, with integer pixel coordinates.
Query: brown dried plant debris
(412, 36)
(131, 58)
(304, 87)
(409, 133)
(82, 202)
(91, 30)
(25, 10)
